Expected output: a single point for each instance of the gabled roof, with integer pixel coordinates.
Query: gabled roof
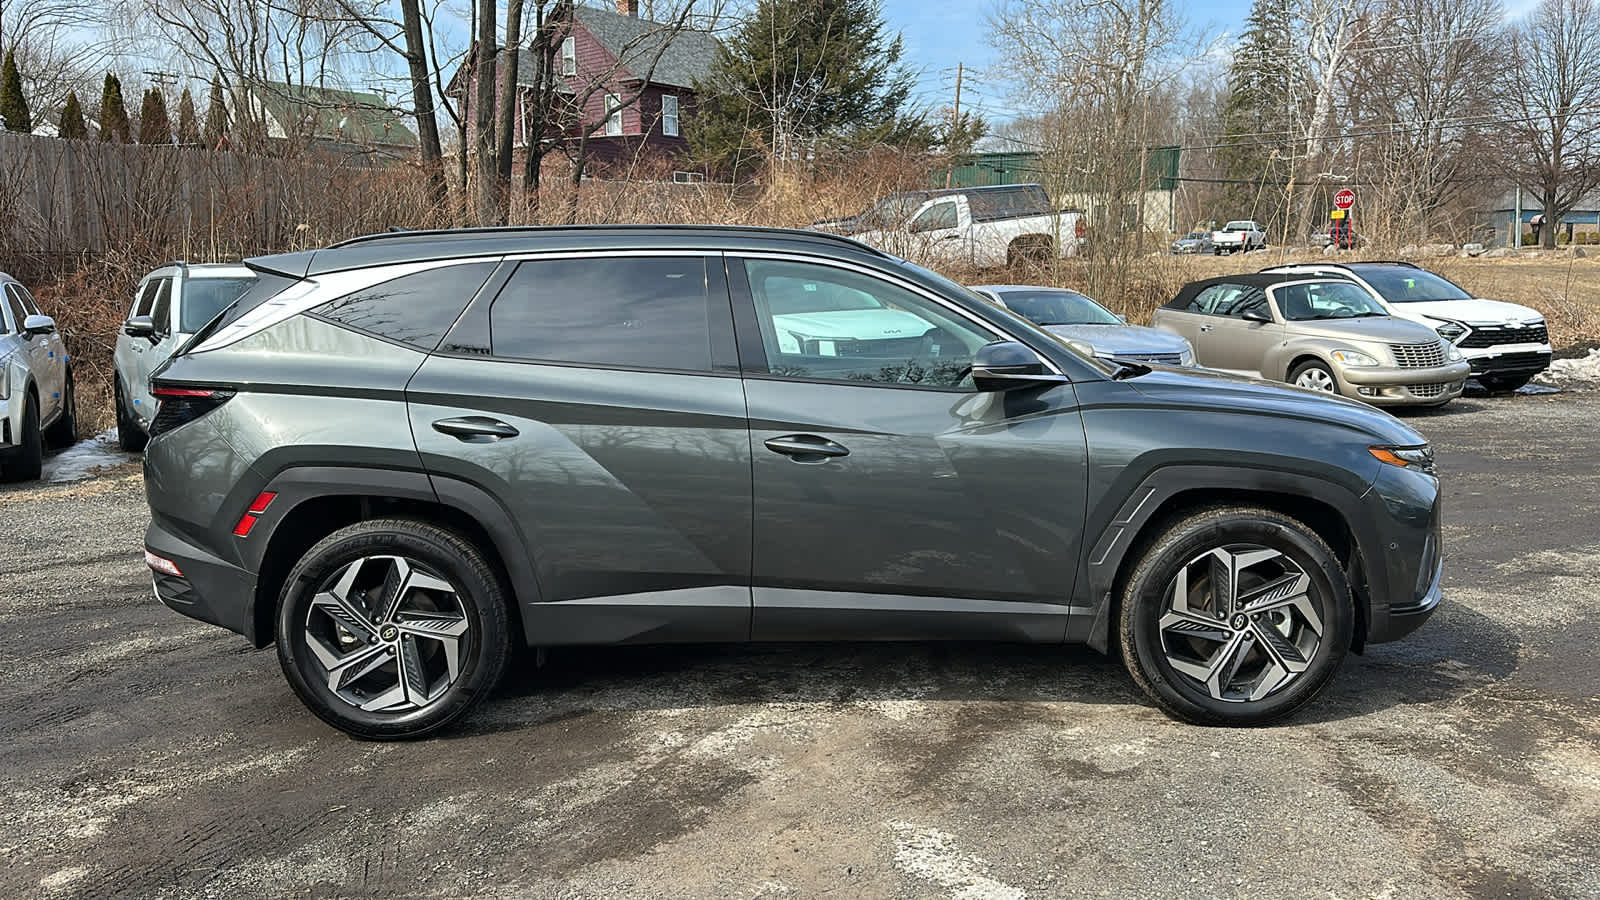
(354, 117)
(689, 54)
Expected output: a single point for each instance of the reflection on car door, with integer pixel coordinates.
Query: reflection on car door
(598, 398)
(893, 499)
(45, 354)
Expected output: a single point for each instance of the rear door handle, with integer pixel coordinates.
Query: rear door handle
(475, 429)
(806, 448)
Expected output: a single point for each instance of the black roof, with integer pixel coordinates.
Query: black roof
(1350, 266)
(417, 246)
(1261, 280)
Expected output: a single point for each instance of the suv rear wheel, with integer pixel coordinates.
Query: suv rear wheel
(1235, 616)
(392, 628)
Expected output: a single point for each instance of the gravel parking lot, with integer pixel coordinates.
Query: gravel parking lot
(150, 755)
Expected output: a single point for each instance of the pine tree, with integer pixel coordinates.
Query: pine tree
(1260, 118)
(113, 112)
(155, 127)
(188, 125)
(72, 125)
(216, 117)
(839, 78)
(13, 106)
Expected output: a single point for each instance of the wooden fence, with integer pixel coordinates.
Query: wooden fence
(61, 197)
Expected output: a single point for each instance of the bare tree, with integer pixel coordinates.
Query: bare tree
(1329, 29)
(56, 49)
(1550, 100)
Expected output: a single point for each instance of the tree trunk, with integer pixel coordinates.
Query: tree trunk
(578, 159)
(422, 99)
(489, 208)
(509, 108)
(1547, 234)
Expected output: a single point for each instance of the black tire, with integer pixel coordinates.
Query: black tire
(130, 437)
(25, 461)
(63, 433)
(1503, 383)
(1310, 367)
(1146, 596)
(483, 604)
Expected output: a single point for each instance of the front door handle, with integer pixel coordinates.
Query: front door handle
(475, 429)
(1206, 327)
(806, 448)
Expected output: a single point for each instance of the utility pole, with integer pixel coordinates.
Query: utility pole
(955, 123)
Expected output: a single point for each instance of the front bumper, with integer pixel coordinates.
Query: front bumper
(1404, 557)
(1510, 361)
(11, 419)
(1392, 386)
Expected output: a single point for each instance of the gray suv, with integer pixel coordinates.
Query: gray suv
(401, 456)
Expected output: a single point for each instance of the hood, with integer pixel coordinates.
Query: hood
(1383, 329)
(1473, 312)
(1109, 340)
(1206, 388)
(857, 324)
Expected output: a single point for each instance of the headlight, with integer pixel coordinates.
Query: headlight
(1451, 331)
(1419, 457)
(1452, 352)
(1353, 358)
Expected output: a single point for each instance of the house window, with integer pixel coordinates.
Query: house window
(669, 115)
(569, 56)
(613, 115)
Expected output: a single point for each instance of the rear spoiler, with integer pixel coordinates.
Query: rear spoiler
(289, 265)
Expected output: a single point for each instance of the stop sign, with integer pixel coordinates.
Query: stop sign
(1344, 199)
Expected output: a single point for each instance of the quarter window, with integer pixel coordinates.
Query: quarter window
(650, 312)
(415, 309)
(18, 314)
(822, 323)
(161, 310)
(147, 296)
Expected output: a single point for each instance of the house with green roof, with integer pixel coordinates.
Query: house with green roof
(332, 117)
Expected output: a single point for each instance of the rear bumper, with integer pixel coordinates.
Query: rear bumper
(210, 589)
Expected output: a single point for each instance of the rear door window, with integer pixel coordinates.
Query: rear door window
(648, 312)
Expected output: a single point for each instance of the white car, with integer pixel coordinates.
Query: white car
(1506, 343)
(170, 305)
(38, 406)
(983, 227)
(1241, 235)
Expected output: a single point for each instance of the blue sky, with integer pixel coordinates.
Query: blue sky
(939, 34)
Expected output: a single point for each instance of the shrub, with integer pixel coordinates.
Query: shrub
(72, 125)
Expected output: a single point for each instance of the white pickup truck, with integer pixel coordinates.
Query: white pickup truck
(983, 227)
(1242, 235)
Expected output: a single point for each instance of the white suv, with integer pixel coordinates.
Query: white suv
(172, 303)
(1506, 343)
(37, 403)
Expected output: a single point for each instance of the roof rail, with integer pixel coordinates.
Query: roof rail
(511, 230)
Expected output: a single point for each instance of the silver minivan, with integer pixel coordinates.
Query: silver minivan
(172, 303)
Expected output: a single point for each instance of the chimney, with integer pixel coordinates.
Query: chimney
(628, 8)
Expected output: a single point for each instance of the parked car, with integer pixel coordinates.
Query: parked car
(1193, 242)
(401, 455)
(1241, 235)
(984, 228)
(1320, 333)
(38, 400)
(171, 303)
(889, 213)
(1505, 343)
(1097, 331)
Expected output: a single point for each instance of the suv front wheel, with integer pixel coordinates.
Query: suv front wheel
(392, 628)
(1235, 616)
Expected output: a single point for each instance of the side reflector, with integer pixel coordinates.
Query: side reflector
(162, 564)
(262, 501)
(257, 507)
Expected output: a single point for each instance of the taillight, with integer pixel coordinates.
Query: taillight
(178, 406)
(1079, 230)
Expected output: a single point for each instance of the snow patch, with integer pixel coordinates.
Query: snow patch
(930, 854)
(56, 882)
(1573, 373)
(85, 458)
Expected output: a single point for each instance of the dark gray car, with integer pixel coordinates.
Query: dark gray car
(402, 455)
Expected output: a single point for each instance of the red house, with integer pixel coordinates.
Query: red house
(607, 59)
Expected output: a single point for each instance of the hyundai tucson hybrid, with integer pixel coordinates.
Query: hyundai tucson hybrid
(402, 456)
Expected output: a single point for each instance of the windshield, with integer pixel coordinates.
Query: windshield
(1057, 308)
(1195, 236)
(203, 298)
(1326, 300)
(1400, 284)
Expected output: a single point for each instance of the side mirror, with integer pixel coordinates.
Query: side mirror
(140, 326)
(1121, 318)
(1008, 366)
(34, 325)
(1256, 315)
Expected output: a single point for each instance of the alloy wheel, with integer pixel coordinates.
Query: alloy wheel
(1316, 380)
(388, 633)
(1240, 622)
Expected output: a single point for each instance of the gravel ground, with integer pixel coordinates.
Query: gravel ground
(149, 755)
